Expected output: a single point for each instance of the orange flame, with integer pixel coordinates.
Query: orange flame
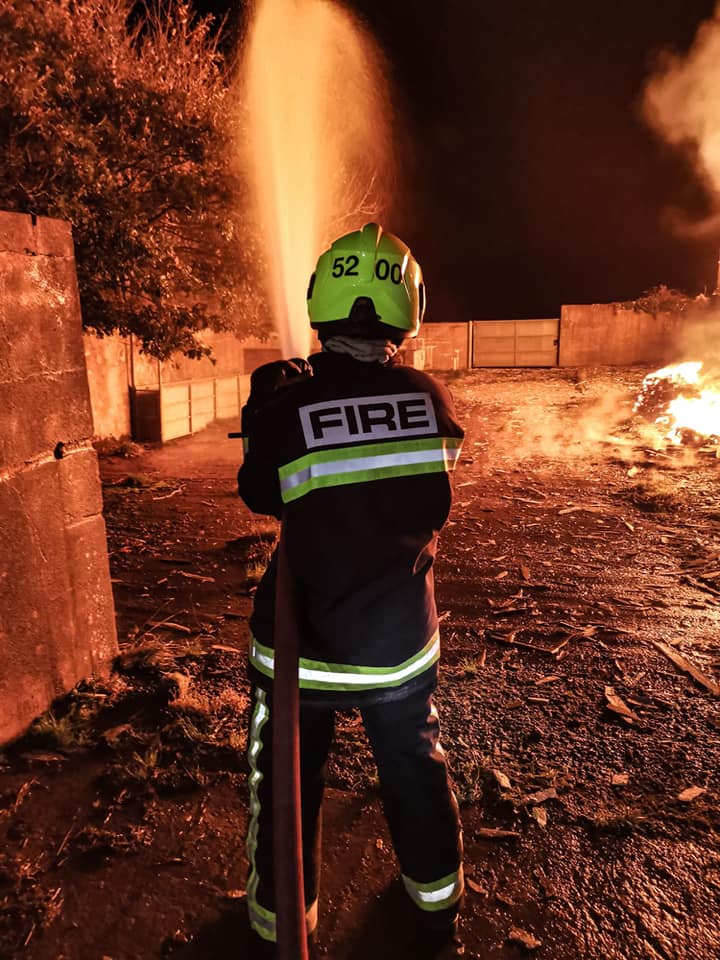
(696, 408)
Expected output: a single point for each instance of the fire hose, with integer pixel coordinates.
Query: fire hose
(287, 820)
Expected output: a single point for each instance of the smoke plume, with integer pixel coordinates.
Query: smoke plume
(682, 103)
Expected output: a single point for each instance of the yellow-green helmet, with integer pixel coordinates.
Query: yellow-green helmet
(365, 273)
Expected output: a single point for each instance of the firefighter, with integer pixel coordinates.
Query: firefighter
(352, 451)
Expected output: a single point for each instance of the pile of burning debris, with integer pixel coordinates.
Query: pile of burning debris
(684, 402)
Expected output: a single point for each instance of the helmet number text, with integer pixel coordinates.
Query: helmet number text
(345, 266)
(383, 270)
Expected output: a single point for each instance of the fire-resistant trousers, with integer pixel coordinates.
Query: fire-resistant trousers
(419, 805)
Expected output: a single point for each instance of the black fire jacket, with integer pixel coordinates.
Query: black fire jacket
(355, 460)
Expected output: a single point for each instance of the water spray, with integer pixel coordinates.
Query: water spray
(316, 147)
(316, 143)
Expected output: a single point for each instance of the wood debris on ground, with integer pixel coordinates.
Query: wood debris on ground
(196, 576)
(682, 663)
(476, 887)
(169, 625)
(617, 705)
(524, 938)
(502, 779)
(495, 833)
(540, 796)
(692, 793)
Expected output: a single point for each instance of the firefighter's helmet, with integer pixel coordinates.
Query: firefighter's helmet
(367, 283)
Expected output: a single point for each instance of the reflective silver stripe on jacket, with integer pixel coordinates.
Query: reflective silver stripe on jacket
(374, 461)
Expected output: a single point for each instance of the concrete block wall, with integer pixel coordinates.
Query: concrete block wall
(57, 622)
(608, 333)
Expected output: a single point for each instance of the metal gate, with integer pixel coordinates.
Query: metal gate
(515, 343)
(178, 409)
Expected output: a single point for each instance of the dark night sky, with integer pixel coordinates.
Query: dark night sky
(528, 176)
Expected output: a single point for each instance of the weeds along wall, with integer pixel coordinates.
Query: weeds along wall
(57, 620)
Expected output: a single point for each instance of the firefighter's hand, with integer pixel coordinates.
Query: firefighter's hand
(271, 377)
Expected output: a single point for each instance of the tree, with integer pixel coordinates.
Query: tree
(122, 123)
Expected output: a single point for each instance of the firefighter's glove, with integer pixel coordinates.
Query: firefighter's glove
(267, 380)
(271, 377)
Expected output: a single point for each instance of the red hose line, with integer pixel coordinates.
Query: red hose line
(287, 822)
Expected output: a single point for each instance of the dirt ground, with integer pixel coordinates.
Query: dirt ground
(580, 566)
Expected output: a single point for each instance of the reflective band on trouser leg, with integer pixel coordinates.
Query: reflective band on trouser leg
(316, 675)
(262, 920)
(438, 895)
(374, 461)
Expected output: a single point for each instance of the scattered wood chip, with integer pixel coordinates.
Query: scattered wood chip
(38, 756)
(686, 796)
(196, 576)
(501, 575)
(169, 625)
(586, 507)
(22, 794)
(620, 779)
(476, 887)
(539, 700)
(550, 678)
(495, 833)
(540, 815)
(234, 894)
(525, 572)
(629, 525)
(166, 496)
(682, 663)
(525, 939)
(618, 705)
(509, 639)
(224, 649)
(502, 779)
(540, 796)
(559, 646)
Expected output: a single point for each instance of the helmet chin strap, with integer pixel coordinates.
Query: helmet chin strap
(368, 351)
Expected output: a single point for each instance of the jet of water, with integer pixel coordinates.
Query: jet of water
(316, 147)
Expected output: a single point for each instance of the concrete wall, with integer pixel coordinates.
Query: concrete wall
(57, 620)
(107, 360)
(608, 333)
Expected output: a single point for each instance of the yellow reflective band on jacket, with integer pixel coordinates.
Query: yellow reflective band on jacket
(373, 461)
(438, 895)
(315, 675)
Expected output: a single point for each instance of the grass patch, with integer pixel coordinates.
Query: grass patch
(145, 654)
(71, 723)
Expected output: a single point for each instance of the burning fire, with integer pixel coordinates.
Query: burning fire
(681, 402)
